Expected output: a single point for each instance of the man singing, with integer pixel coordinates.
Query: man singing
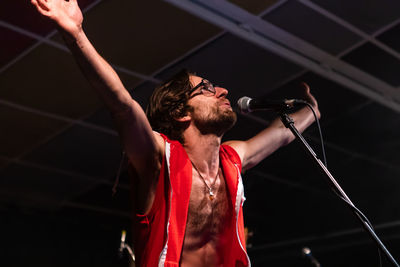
(187, 189)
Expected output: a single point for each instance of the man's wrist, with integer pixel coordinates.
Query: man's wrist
(72, 36)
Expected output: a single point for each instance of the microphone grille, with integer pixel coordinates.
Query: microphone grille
(306, 251)
(244, 104)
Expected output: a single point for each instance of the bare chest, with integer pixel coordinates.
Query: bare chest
(207, 213)
(206, 221)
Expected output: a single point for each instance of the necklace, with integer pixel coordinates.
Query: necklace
(210, 192)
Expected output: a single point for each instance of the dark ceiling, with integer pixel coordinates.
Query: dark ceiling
(59, 152)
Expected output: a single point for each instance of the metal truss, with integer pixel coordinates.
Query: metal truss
(266, 35)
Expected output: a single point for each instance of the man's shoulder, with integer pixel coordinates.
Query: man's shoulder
(231, 152)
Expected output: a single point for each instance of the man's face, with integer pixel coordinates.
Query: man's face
(210, 109)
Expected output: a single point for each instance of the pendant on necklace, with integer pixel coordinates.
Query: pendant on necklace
(212, 196)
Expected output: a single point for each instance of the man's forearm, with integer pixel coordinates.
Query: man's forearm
(275, 136)
(68, 17)
(100, 74)
(303, 118)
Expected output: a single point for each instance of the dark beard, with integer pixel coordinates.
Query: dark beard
(217, 122)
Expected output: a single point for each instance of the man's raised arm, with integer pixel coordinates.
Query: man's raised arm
(275, 136)
(142, 146)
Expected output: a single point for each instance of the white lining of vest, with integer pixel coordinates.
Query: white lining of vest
(163, 254)
(240, 198)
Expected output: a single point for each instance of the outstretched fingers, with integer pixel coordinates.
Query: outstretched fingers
(41, 6)
(306, 87)
(310, 98)
(306, 91)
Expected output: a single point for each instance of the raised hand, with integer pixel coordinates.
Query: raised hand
(66, 14)
(310, 98)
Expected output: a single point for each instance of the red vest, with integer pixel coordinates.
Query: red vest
(158, 235)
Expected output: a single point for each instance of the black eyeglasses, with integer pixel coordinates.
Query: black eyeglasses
(206, 88)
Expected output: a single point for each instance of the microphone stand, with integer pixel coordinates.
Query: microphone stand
(289, 123)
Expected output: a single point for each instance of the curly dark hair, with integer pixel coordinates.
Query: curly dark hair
(169, 102)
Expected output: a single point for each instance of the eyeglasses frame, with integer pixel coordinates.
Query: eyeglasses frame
(203, 86)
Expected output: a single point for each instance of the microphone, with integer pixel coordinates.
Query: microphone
(307, 253)
(247, 104)
(122, 244)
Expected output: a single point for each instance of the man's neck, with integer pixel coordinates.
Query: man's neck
(203, 151)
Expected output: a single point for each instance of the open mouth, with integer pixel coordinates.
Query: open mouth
(226, 103)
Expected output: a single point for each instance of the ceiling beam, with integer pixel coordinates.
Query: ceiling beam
(96, 180)
(54, 116)
(264, 34)
(366, 37)
(47, 41)
(39, 42)
(337, 148)
(205, 43)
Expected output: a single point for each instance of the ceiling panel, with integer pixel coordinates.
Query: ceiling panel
(56, 87)
(254, 6)
(388, 151)
(291, 161)
(81, 150)
(366, 131)
(391, 37)
(373, 190)
(326, 92)
(368, 16)
(139, 93)
(142, 92)
(22, 185)
(377, 62)
(129, 81)
(27, 17)
(48, 237)
(12, 45)
(101, 196)
(3, 162)
(23, 131)
(241, 67)
(101, 117)
(244, 122)
(133, 32)
(296, 210)
(321, 31)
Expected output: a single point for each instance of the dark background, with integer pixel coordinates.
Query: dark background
(59, 152)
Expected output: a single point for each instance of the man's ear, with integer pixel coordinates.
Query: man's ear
(185, 118)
